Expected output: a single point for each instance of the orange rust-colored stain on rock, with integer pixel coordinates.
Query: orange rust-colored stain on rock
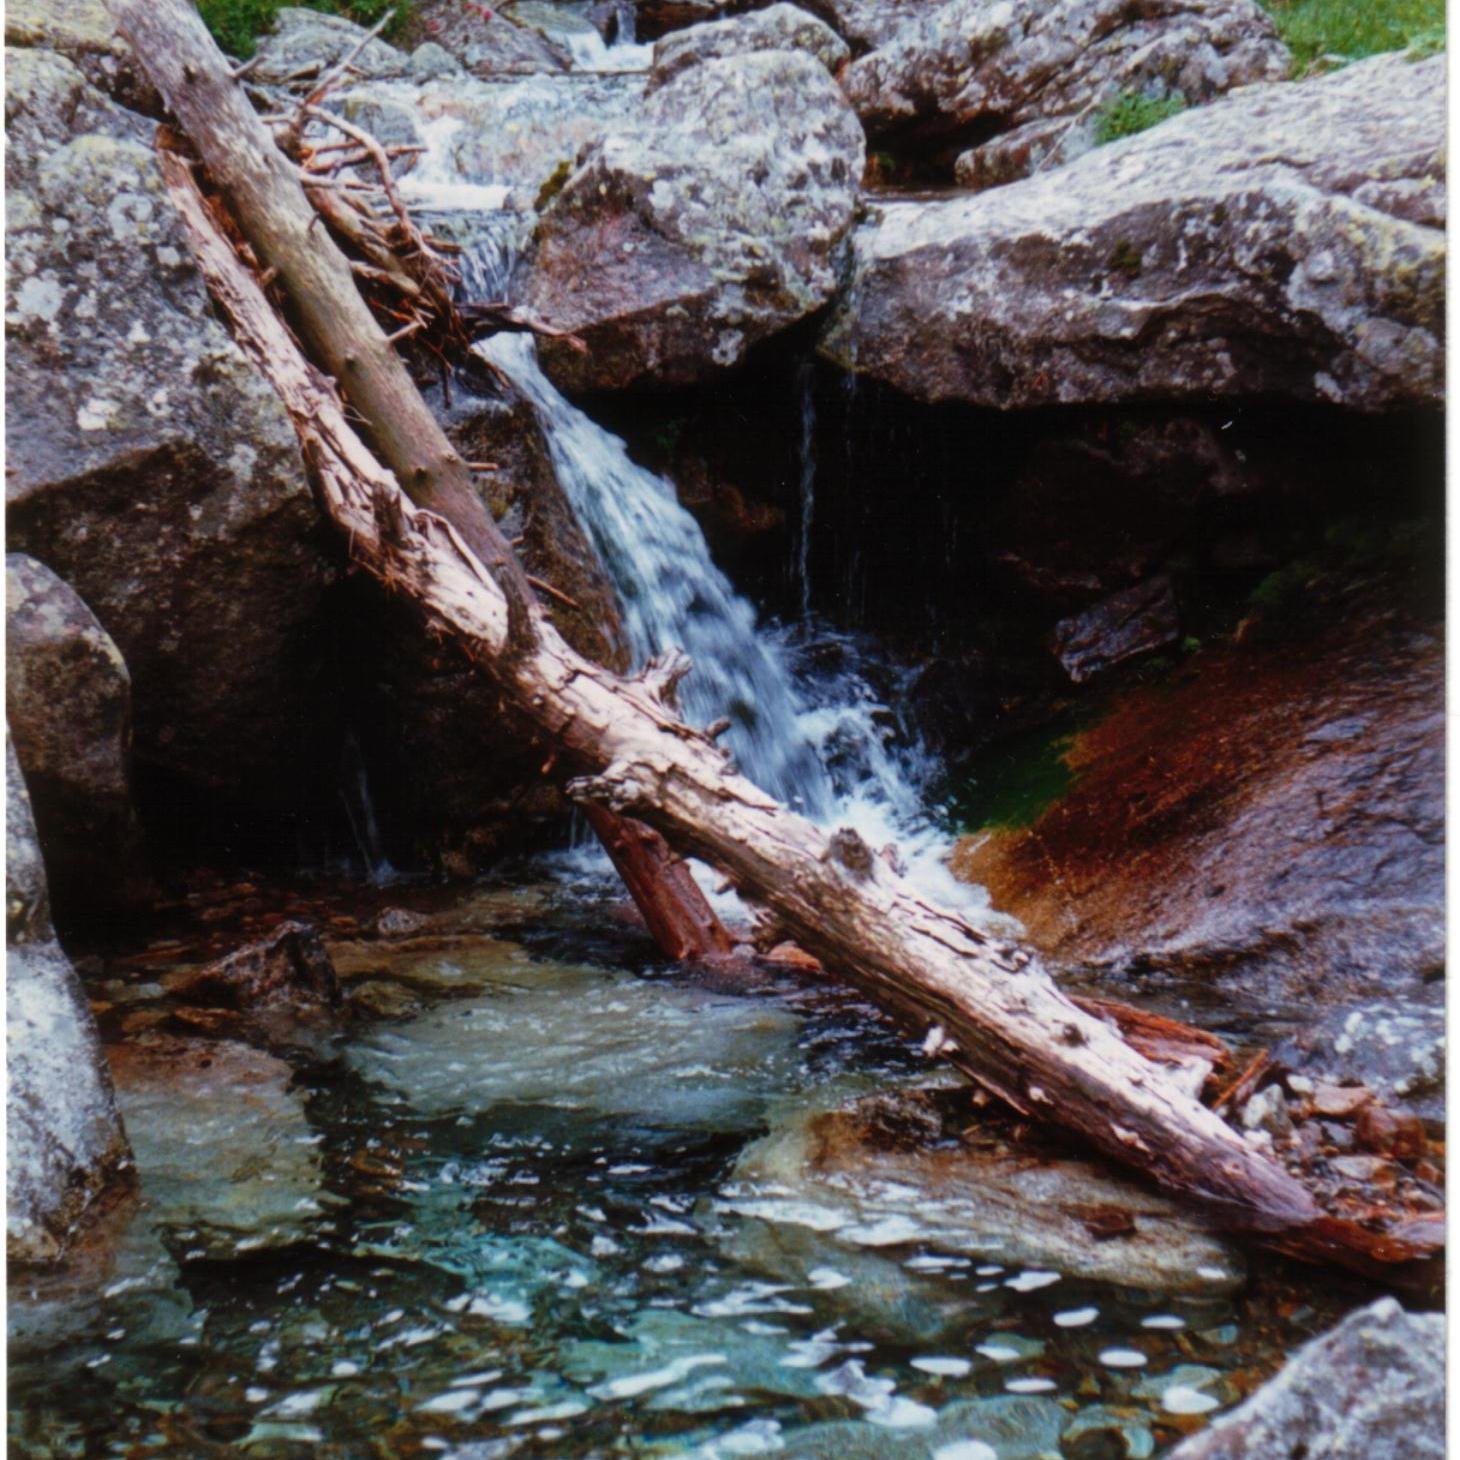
(1277, 801)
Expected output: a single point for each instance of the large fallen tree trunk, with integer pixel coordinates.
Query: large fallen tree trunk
(284, 229)
(987, 1005)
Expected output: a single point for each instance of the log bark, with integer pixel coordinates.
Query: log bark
(267, 196)
(987, 1004)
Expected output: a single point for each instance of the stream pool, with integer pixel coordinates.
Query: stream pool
(504, 1207)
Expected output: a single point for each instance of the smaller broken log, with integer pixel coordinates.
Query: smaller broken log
(684, 926)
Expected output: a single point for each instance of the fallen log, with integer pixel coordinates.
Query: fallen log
(620, 744)
(267, 198)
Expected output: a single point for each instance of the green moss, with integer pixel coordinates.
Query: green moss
(1352, 29)
(1125, 258)
(1352, 547)
(1015, 780)
(1133, 111)
(554, 184)
(237, 24)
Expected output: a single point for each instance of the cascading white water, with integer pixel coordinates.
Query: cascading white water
(804, 722)
(671, 593)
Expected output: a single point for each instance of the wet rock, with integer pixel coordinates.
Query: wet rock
(1395, 1046)
(66, 1150)
(306, 43)
(1036, 74)
(655, 18)
(1371, 1389)
(781, 27)
(1268, 1111)
(1008, 1427)
(83, 32)
(830, 1185)
(526, 132)
(1097, 508)
(716, 217)
(287, 970)
(150, 466)
(1286, 240)
(68, 704)
(466, 777)
(1126, 625)
(1267, 824)
(579, 1039)
(227, 1159)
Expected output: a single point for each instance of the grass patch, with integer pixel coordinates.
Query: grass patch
(1354, 29)
(237, 24)
(1133, 111)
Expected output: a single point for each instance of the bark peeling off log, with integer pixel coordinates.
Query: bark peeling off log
(1013, 1030)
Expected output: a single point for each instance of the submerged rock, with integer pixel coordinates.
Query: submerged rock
(1371, 1389)
(780, 27)
(68, 701)
(844, 1188)
(1035, 74)
(1007, 1427)
(1286, 240)
(150, 465)
(227, 1159)
(65, 1146)
(575, 1038)
(713, 218)
(1268, 824)
(287, 970)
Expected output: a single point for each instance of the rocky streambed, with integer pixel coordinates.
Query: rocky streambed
(524, 1181)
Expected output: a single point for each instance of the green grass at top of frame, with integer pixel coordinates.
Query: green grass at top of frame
(1354, 29)
(237, 24)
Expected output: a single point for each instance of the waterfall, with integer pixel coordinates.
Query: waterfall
(671, 592)
(806, 381)
(354, 790)
(805, 723)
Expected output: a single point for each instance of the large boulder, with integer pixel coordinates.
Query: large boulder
(1371, 1389)
(780, 27)
(1268, 825)
(868, 24)
(1285, 241)
(150, 465)
(305, 43)
(1036, 74)
(84, 32)
(68, 701)
(711, 220)
(65, 1148)
(486, 42)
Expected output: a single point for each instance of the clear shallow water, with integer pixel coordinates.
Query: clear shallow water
(517, 1233)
